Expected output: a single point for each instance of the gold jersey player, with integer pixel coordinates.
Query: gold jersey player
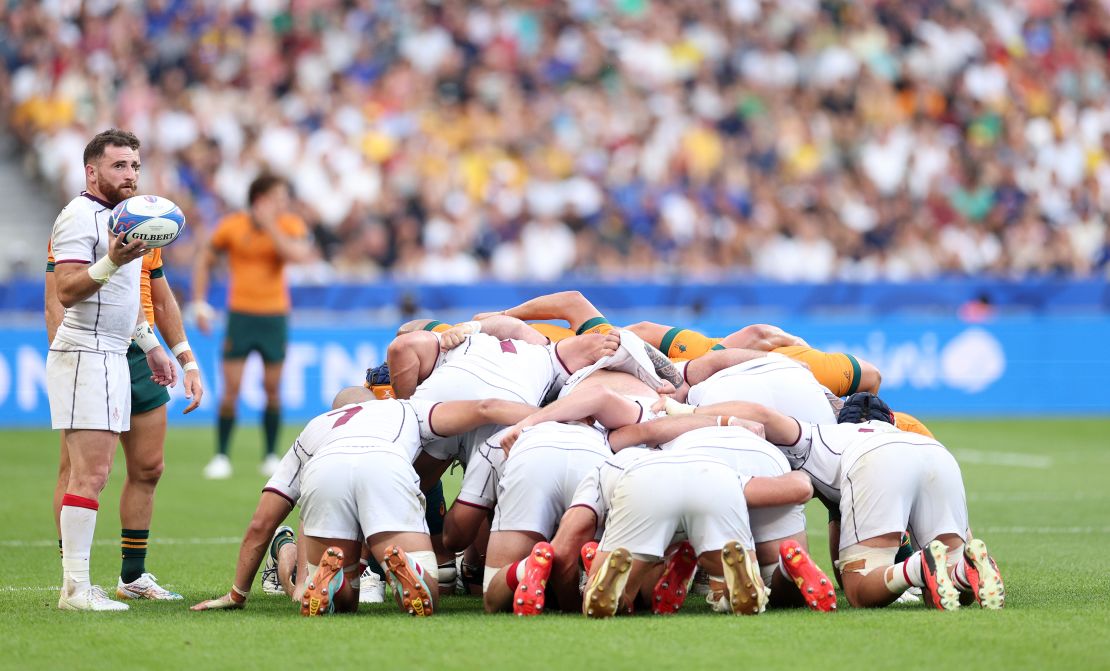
(258, 243)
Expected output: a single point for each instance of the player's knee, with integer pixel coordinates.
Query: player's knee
(147, 474)
(93, 479)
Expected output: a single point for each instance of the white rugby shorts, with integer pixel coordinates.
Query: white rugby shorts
(358, 493)
(88, 389)
(654, 501)
(900, 486)
(544, 469)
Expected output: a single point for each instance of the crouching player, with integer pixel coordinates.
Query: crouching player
(351, 469)
(884, 481)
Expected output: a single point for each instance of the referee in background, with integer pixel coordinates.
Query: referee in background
(258, 243)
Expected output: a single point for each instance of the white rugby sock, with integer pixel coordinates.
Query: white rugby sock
(78, 522)
(902, 576)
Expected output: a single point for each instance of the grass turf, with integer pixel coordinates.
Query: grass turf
(1037, 492)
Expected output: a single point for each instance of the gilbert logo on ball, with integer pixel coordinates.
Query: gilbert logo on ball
(155, 220)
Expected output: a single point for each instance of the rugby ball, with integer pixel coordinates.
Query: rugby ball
(155, 220)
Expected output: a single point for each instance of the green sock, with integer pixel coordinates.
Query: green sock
(223, 433)
(905, 550)
(134, 543)
(271, 422)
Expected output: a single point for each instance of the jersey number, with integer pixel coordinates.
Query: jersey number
(346, 415)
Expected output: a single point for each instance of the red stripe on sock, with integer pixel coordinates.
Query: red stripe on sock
(906, 573)
(80, 502)
(510, 575)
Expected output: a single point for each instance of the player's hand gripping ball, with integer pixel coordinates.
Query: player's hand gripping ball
(155, 220)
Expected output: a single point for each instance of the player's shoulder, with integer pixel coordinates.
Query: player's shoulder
(83, 207)
(233, 220)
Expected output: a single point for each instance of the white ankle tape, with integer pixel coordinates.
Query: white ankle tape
(863, 559)
(767, 571)
(488, 576)
(426, 559)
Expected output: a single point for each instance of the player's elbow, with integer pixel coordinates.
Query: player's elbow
(870, 379)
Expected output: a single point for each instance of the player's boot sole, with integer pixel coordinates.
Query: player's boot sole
(983, 576)
(670, 590)
(604, 593)
(320, 591)
(812, 582)
(746, 592)
(529, 596)
(415, 598)
(939, 592)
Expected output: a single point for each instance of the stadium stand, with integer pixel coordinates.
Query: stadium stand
(796, 141)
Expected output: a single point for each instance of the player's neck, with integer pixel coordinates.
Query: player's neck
(94, 193)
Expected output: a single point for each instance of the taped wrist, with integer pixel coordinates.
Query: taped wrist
(673, 407)
(102, 270)
(144, 337)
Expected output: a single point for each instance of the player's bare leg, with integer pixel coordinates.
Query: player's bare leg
(410, 564)
(872, 580)
(60, 487)
(90, 456)
(506, 556)
(763, 337)
(650, 332)
(332, 581)
(576, 528)
(143, 448)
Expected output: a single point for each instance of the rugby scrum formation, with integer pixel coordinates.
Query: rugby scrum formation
(605, 468)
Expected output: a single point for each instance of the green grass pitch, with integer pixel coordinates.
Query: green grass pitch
(1037, 489)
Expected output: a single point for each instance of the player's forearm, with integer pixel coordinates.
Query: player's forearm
(291, 249)
(790, 489)
(52, 309)
(505, 413)
(570, 306)
(504, 327)
(167, 315)
(778, 428)
(579, 405)
(703, 367)
(658, 431)
(271, 510)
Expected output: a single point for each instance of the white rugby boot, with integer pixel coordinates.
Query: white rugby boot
(92, 598)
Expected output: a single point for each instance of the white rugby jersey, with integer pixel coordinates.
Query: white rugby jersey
(105, 320)
(511, 370)
(390, 426)
(774, 381)
(748, 454)
(827, 451)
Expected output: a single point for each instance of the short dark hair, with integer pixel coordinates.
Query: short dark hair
(113, 137)
(263, 184)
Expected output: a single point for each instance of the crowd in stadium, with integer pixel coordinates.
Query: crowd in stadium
(796, 140)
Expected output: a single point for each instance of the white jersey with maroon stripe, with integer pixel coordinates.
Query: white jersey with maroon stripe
(104, 321)
(484, 367)
(774, 381)
(827, 451)
(392, 426)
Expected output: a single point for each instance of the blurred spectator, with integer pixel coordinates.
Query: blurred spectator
(807, 140)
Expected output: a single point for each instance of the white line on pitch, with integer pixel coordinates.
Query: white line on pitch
(218, 540)
(1003, 459)
(1030, 497)
(1042, 530)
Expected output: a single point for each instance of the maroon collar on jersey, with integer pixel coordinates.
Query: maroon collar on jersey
(97, 200)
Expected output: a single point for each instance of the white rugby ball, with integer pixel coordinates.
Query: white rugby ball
(155, 220)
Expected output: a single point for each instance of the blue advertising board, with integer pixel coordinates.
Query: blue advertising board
(1033, 365)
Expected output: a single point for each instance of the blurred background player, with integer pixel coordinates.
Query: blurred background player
(258, 244)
